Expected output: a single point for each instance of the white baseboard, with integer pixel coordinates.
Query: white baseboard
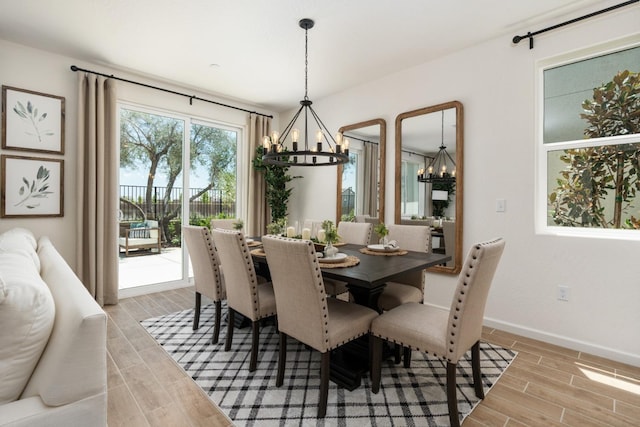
(573, 344)
(562, 341)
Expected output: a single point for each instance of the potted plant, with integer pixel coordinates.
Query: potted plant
(382, 231)
(276, 179)
(237, 225)
(277, 227)
(331, 237)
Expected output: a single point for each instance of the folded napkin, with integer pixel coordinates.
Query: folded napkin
(391, 244)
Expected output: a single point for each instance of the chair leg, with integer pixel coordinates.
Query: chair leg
(475, 368)
(255, 338)
(230, 319)
(216, 326)
(282, 359)
(196, 311)
(324, 383)
(376, 362)
(407, 357)
(396, 354)
(452, 396)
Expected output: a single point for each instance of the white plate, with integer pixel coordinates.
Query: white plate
(340, 256)
(381, 248)
(248, 240)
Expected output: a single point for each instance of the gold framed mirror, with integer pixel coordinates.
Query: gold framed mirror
(434, 199)
(360, 190)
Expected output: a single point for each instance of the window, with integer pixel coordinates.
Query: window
(412, 197)
(590, 148)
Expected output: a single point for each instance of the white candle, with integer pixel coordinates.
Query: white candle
(321, 235)
(291, 231)
(306, 233)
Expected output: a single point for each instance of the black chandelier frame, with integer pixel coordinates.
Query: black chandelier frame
(276, 153)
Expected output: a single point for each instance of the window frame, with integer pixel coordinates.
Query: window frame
(542, 148)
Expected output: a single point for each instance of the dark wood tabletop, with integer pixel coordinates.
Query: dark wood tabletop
(375, 270)
(367, 279)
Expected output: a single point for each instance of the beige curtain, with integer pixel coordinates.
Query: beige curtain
(258, 210)
(97, 180)
(371, 180)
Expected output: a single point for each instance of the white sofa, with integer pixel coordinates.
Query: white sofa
(52, 339)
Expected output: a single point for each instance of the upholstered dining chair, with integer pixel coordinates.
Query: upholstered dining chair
(449, 232)
(224, 224)
(358, 233)
(446, 334)
(207, 275)
(304, 311)
(409, 287)
(243, 293)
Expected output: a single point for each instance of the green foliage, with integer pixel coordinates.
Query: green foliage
(200, 221)
(350, 217)
(331, 232)
(277, 227)
(276, 178)
(237, 225)
(579, 200)
(381, 230)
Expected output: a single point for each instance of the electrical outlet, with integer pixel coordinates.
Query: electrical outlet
(563, 293)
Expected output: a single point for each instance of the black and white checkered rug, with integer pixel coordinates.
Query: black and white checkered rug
(407, 397)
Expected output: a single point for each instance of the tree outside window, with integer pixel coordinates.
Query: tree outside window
(592, 182)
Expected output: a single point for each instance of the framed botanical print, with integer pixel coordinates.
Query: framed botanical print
(32, 121)
(31, 187)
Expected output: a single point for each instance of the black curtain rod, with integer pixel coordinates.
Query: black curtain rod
(529, 35)
(366, 141)
(191, 97)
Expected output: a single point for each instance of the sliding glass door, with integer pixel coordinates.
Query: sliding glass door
(173, 170)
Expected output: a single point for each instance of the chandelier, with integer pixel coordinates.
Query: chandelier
(325, 151)
(438, 171)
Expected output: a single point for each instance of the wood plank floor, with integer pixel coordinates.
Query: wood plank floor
(546, 385)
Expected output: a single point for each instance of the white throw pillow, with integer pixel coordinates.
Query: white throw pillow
(27, 313)
(20, 239)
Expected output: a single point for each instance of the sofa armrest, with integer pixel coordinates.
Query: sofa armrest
(74, 363)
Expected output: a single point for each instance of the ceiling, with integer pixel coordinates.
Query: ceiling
(254, 50)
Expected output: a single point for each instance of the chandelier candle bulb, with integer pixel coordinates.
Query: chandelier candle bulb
(295, 134)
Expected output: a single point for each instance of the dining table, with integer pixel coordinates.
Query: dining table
(365, 280)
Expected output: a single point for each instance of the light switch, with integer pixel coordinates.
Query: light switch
(501, 205)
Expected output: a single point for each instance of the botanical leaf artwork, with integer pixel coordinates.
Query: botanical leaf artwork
(34, 190)
(34, 117)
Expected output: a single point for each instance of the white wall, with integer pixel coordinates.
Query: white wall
(37, 70)
(495, 81)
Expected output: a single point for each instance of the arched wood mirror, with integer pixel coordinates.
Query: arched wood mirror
(360, 190)
(422, 198)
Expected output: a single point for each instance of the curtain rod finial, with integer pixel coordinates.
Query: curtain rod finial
(74, 68)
